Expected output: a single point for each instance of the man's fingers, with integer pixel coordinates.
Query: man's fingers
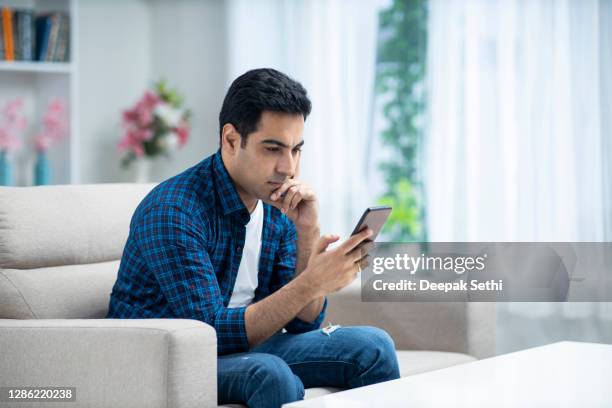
(367, 246)
(282, 189)
(295, 200)
(323, 242)
(286, 205)
(365, 261)
(355, 240)
(357, 254)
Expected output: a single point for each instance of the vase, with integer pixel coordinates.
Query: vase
(6, 174)
(42, 170)
(142, 170)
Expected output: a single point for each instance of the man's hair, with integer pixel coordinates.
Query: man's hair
(260, 90)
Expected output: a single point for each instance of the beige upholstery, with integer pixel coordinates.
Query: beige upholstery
(65, 225)
(59, 254)
(459, 327)
(114, 363)
(57, 292)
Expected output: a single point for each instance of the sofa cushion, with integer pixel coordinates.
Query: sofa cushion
(65, 225)
(57, 292)
(415, 362)
(122, 363)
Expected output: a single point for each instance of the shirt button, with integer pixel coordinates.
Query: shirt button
(238, 248)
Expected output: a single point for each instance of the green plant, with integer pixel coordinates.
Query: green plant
(400, 88)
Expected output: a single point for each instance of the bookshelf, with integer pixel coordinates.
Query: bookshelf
(37, 83)
(41, 67)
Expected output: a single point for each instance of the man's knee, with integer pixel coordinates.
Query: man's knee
(377, 354)
(276, 379)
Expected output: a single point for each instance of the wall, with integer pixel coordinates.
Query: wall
(124, 47)
(190, 51)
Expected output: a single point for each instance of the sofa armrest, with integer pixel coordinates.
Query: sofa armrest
(463, 327)
(114, 362)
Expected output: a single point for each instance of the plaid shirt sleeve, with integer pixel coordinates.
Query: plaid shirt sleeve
(172, 246)
(284, 271)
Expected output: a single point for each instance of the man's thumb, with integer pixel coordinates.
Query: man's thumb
(324, 242)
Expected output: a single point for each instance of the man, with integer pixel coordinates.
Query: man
(234, 242)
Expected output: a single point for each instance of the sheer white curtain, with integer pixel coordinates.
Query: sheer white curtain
(519, 138)
(330, 47)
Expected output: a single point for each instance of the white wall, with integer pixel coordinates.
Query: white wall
(114, 69)
(124, 47)
(189, 49)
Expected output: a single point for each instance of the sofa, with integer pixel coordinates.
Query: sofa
(60, 248)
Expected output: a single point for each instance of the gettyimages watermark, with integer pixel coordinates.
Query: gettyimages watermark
(489, 272)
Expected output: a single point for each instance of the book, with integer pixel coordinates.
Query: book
(7, 31)
(24, 36)
(61, 48)
(16, 39)
(1, 39)
(53, 34)
(43, 28)
(25, 28)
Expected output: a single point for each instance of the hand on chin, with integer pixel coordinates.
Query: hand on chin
(296, 200)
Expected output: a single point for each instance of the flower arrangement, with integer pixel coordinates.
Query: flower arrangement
(54, 126)
(156, 125)
(12, 123)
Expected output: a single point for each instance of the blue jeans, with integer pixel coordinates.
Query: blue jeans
(276, 371)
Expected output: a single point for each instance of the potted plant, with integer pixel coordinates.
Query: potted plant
(155, 126)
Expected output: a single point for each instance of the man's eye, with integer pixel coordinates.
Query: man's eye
(272, 149)
(297, 150)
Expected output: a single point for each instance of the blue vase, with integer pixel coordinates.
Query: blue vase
(6, 174)
(42, 170)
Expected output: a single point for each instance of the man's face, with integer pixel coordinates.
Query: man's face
(271, 155)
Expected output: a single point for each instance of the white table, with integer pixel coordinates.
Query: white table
(565, 374)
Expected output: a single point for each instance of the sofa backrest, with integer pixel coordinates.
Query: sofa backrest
(60, 247)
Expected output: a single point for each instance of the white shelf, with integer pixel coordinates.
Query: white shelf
(33, 66)
(36, 83)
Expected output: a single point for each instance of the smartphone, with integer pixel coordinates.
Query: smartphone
(374, 218)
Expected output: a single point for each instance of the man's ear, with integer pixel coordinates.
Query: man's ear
(230, 138)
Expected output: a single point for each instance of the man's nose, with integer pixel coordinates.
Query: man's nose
(286, 165)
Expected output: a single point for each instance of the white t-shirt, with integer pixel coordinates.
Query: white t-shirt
(246, 281)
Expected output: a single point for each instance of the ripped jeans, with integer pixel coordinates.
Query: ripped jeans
(276, 371)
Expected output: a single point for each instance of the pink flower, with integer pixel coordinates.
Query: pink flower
(183, 133)
(150, 99)
(141, 115)
(57, 106)
(8, 142)
(42, 142)
(133, 140)
(152, 115)
(54, 125)
(11, 125)
(12, 107)
(144, 115)
(21, 123)
(129, 118)
(127, 143)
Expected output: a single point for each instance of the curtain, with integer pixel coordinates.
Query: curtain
(518, 140)
(330, 47)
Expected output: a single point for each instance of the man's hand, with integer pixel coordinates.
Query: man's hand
(327, 272)
(298, 202)
(330, 271)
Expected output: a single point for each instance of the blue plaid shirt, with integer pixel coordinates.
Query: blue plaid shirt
(184, 248)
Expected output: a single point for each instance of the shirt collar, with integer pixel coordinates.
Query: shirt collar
(226, 190)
